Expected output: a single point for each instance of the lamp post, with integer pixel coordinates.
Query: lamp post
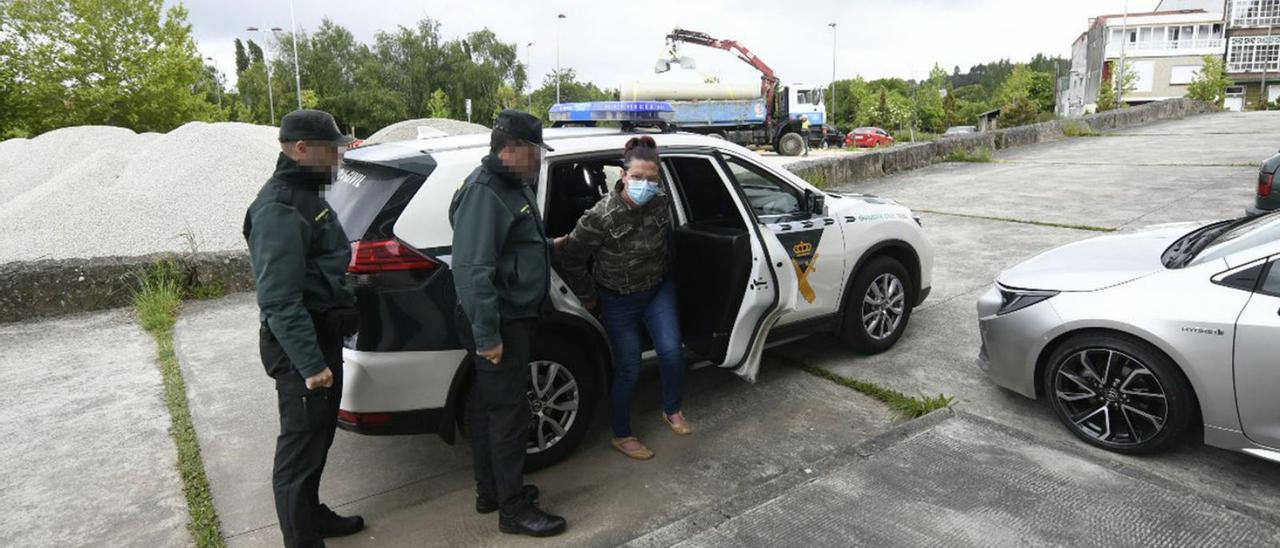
(833, 71)
(528, 64)
(297, 71)
(1124, 43)
(271, 101)
(559, 18)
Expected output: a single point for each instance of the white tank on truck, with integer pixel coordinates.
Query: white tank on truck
(688, 91)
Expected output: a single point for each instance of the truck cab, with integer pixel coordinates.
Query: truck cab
(806, 100)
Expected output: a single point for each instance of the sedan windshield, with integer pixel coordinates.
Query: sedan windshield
(1238, 236)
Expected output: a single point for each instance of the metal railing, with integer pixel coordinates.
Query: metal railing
(1167, 46)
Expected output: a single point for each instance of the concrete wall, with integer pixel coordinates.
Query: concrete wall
(35, 289)
(854, 167)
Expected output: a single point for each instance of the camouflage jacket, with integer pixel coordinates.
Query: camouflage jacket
(629, 245)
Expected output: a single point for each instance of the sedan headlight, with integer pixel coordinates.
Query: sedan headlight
(1013, 300)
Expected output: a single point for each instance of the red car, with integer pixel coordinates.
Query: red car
(868, 137)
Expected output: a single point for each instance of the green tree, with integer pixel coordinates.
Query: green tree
(438, 105)
(1106, 95)
(1020, 112)
(950, 108)
(255, 53)
(242, 58)
(1210, 84)
(128, 63)
(1109, 97)
(571, 91)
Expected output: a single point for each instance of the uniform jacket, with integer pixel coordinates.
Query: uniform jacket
(501, 255)
(299, 254)
(629, 245)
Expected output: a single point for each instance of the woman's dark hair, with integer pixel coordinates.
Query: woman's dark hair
(640, 148)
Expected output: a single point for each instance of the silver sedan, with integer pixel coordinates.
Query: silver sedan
(1136, 337)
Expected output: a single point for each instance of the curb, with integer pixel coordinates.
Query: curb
(715, 515)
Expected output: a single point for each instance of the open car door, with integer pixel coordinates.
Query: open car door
(732, 274)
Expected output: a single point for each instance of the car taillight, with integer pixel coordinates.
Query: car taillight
(386, 256)
(1264, 184)
(363, 419)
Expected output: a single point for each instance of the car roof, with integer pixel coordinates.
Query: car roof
(415, 155)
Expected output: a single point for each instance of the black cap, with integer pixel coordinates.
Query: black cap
(521, 125)
(311, 125)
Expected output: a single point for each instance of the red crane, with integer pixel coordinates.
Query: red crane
(768, 80)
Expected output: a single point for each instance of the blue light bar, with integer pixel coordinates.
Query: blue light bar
(613, 111)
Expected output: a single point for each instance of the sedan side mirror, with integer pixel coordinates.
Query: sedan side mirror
(815, 202)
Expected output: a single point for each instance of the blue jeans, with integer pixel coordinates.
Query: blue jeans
(622, 316)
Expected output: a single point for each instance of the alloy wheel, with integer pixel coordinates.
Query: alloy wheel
(1111, 397)
(883, 306)
(554, 396)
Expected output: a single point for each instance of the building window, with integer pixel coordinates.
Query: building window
(1183, 75)
(1254, 13)
(1253, 53)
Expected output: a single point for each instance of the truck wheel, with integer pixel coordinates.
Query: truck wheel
(790, 144)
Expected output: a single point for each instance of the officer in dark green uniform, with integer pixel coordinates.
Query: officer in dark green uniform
(501, 270)
(299, 255)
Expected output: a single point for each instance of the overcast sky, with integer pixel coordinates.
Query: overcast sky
(609, 42)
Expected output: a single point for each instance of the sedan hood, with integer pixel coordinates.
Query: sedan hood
(1097, 263)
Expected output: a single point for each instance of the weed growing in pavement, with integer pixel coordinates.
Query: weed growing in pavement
(906, 406)
(1021, 221)
(156, 302)
(1076, 129)
(981, 155)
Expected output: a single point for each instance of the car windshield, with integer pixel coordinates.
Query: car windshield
(1238, 236)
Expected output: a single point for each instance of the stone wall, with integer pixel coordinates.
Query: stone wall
(855, 167)
(36, 289)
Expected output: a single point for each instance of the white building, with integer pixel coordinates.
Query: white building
(1164, 48)
(1253, 52)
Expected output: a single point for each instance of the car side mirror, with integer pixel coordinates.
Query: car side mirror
(814, 202)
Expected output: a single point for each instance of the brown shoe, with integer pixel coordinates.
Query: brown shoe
(678, 423)
(632, 447)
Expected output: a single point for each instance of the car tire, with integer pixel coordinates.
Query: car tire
(862, 331)
(1123, 414)
(568, 363)
(790, 144)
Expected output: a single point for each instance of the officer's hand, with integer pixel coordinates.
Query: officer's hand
(323, 379)
(494, 355)
(592, 306)
(559, 243)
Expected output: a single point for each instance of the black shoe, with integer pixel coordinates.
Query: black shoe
(489, 505)
(531, 521)
(332, 525)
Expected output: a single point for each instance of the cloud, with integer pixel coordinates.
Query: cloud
(609, 42)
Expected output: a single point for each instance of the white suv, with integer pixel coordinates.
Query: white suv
(760, 258)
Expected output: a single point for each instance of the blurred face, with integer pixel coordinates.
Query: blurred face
(524, 159)
(319, 156)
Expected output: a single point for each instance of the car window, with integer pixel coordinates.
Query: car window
(767, 194)
(1271, 285)
(703, 191)
(1257, 231)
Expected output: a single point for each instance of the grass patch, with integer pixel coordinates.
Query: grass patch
(981, 155)
(816, 178)
(1076, 129)
(906, 406)
(156, 302)
(1021, 221)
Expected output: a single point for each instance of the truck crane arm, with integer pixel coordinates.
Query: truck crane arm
(768, 79)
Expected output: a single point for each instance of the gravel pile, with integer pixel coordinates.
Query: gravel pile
(100, 191)
(408, 129)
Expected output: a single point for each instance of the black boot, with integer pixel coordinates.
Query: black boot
(486, 504)
(332, 525)
(531, 521)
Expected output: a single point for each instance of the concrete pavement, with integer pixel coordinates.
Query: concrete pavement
(87, 457)
(417, 491)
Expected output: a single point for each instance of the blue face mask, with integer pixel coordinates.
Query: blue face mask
(641, 191)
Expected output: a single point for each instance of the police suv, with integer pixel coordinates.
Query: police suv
(760, 257)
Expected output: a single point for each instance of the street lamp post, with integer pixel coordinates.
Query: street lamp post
(297, 71)
(559, 18)
(1124, 43)
(833, 72)
(271, 101)
(528, 65)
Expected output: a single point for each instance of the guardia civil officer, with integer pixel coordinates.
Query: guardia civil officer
(501, 270)
(299, 255)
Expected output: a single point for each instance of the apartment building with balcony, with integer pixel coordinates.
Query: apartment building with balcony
(1164, 48)
(1253, 52)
